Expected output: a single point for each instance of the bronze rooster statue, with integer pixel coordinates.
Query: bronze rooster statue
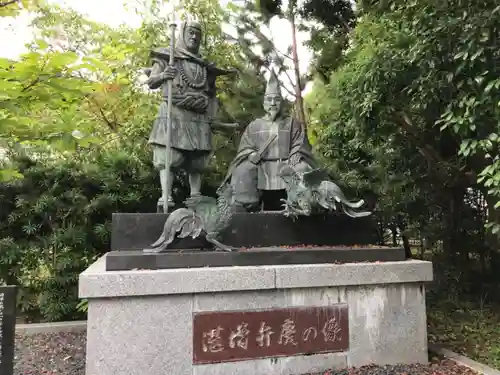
(203, 216)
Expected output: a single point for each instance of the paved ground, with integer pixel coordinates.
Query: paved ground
(50, 354)
(64, 354)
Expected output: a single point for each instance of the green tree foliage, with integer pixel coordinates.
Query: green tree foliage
(119, 107)
(39, 83)
(412, 116)
(330, 30)
(11, 8)
(60, 86)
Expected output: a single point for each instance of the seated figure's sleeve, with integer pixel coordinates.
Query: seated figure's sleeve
(247, 144)
(300, 147)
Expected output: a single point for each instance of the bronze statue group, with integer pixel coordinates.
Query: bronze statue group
(274, 168)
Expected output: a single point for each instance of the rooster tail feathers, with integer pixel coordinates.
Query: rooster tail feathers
(178, 221)
(196, 231)
(189, 226)
(159, 241)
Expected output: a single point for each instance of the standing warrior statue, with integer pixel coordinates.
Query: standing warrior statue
(194, 106)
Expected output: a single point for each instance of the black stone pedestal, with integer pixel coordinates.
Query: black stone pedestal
(131, 260)
(137, 231)
(263, 238)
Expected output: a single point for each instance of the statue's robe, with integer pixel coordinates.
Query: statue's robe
(249, 179)
(193, 109)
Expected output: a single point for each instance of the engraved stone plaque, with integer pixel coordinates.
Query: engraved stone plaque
(238, 335)
(7, 328)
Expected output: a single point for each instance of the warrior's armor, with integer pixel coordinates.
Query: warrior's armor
(194, 106)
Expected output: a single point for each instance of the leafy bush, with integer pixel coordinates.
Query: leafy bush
(57, 219)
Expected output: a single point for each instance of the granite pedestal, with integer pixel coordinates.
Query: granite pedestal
(214, 321)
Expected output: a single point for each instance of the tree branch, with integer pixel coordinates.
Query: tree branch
(261, 36)
(288, 90)
(430, 153)
(346, 26)
(7, 3)
(255, 30)
(31, 84)
(111, 124)
(404, 121)
(290, 79)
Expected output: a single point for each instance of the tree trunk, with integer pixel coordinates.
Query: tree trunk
(394, 231)
(452, 244)
(493, 217)
(406, 246)
(492, 243)
(299, 101)
(422, 248)
(401, 225)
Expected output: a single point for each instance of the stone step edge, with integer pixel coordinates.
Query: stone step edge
(462, 360)
(35, 328)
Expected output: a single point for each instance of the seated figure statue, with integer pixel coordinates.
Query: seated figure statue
(267, 144)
